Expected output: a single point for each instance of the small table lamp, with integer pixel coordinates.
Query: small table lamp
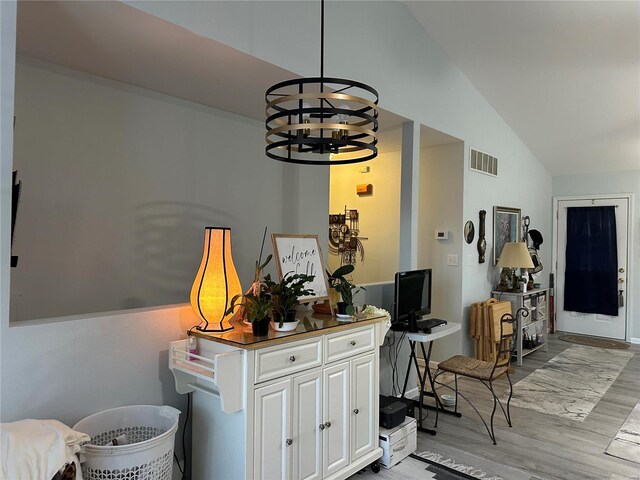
(216, 282)
(515, 255)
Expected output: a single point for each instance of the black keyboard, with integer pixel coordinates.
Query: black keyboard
(424, 325)
(427, 324)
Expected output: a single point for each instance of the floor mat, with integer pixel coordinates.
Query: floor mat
(571, 383)
(443, 472)
(593, 341)
(626, 443)
(470, 465)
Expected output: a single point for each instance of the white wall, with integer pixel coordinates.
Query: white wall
(118, 185)
(522, 183)
(7, 81)
(441, 175)
(611, 183)
(414, 79)
(379, 214)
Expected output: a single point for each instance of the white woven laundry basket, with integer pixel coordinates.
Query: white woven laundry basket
(150, 431)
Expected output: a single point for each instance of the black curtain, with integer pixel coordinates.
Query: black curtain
(591, 277)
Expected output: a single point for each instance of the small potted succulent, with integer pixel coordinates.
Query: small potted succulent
(285, 295)
(256, 304)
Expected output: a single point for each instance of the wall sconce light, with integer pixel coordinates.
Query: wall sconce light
(216, 282)
(364, 189)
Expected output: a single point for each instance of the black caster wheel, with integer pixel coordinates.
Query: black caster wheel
(375, 467)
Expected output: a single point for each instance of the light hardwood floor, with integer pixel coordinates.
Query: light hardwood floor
(545, 446)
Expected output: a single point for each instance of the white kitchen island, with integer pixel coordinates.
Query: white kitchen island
(289, 405)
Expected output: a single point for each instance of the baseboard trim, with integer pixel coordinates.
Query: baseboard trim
(413, 393)
(432, 364)
(635, 340)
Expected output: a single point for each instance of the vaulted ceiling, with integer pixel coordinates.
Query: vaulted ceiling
(565, 75)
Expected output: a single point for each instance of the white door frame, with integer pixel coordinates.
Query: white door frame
(630, 260)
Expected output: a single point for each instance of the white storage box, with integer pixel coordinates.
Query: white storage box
(398, 443)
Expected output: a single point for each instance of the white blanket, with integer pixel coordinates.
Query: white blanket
(37, 449)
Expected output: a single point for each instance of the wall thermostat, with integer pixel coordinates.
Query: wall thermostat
(441, 235)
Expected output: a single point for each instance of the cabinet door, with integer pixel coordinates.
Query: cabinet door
(305, 423)
(363, 434)
(272, 431)
(335, 444)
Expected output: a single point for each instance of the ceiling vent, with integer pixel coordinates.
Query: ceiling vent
(483, 162)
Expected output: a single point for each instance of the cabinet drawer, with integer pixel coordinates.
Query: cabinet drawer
(347, 344)
(286, 359)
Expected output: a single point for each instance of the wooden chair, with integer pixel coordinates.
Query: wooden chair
(503, 332)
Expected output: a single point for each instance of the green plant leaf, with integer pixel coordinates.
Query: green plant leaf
(351, 310)
(269, 257)
(343, 270)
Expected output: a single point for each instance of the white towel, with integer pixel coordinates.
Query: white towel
(37, 449)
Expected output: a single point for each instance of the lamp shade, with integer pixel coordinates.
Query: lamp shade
(216, 282)
(515, 255)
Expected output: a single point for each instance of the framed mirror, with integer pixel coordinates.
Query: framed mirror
(506, 228)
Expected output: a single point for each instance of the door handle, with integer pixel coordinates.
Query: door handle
(321, 426)
(621, 280)
(356, 411)
(621, 270)
(289, 442)
(327, 424)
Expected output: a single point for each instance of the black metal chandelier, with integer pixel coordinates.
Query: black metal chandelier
(309, 117)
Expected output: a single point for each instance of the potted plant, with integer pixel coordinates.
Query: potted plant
(285, 295)
(343, 286)
(256, 304)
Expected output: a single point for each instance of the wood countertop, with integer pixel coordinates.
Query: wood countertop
(310, 325)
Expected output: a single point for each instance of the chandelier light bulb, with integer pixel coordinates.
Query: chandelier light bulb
(306, 116)
(335, 133)
(343, 117)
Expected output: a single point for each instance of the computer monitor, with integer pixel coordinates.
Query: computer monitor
(412, 293)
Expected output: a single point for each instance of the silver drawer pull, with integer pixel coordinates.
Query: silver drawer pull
(321, 426)
(327, 424)
(289, 442)
(292, 358)
(356, 411)
(352, 343)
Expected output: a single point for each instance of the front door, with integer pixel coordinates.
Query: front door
(593, 323)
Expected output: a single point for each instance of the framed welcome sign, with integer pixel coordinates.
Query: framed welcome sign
(301, 254)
